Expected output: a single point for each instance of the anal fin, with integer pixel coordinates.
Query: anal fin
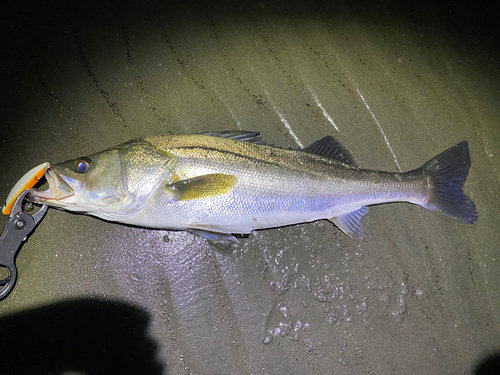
(350, 223)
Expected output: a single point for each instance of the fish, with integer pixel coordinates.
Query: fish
(231, 183)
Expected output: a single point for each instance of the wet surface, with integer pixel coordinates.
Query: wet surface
(420, 293)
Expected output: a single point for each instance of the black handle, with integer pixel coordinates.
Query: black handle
(16, 231)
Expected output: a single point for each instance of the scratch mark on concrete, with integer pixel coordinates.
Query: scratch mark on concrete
(318, 103)
(379, 127)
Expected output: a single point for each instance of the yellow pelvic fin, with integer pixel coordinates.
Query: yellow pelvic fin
(206, 186)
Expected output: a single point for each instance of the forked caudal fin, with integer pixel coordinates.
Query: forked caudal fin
(448, 172)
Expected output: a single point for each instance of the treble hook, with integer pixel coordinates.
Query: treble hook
(18, 227)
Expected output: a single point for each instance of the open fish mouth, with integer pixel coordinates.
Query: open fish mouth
(59, 188)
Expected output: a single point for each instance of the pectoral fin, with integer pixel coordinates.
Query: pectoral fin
(350, 223)
(206, 186)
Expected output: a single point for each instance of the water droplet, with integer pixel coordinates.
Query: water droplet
(320, 225)
(332, 319)
(220, 244)
(267, 340)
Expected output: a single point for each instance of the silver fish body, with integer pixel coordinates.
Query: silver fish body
(219, 184)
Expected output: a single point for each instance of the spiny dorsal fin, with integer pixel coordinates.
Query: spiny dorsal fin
(239, 135)
(329, 147)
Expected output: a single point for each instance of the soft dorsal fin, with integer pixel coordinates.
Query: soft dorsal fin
(239, 135)
(329, 147)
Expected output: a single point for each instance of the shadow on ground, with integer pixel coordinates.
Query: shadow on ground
(87, 335)
(489, 365)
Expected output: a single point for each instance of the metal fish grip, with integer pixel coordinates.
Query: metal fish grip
(18, 227)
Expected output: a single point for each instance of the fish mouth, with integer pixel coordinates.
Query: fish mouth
(60, 188)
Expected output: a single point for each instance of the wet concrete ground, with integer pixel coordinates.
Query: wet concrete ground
(420, 294)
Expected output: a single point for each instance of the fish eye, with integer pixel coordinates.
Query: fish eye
(82, 165)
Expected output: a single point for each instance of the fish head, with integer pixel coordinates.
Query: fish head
(113, 184)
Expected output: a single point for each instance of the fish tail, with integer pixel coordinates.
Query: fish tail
(448, 172)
